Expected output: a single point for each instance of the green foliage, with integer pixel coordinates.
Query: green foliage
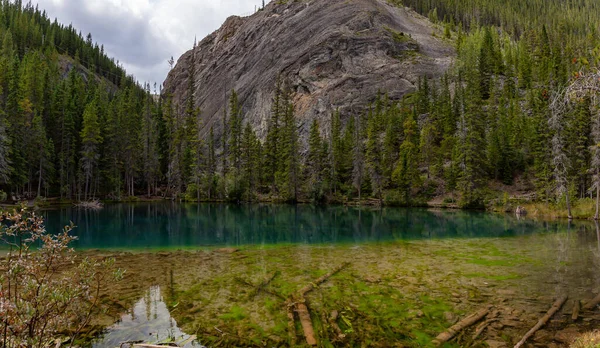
(485, 122)
(39, 297)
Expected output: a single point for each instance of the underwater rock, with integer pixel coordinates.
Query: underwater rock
(496, 344)
(567, 335)
(543, 336)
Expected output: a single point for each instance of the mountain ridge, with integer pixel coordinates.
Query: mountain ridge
(333, 55)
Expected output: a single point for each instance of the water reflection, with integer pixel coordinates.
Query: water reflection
(148, 321)
(177, 225)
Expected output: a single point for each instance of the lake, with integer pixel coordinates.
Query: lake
(225, 273)
(171, 225)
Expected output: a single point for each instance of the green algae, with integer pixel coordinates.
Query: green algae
(392, 294)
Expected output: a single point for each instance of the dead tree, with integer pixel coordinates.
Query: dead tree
(582, 86)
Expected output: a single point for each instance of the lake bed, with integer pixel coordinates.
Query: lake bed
(226, 273)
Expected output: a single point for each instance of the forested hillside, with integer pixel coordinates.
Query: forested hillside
(75, 126)
(467, 138)
(70, 117)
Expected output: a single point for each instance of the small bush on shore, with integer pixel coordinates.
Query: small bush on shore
(46, 290)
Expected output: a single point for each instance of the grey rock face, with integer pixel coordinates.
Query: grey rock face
(334, 54)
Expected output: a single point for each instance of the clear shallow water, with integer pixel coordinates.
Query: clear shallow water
(519, 266)
(170, 225)
(149, 320)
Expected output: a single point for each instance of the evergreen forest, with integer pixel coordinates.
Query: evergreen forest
(73, 124)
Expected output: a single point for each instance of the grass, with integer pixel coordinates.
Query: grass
(587, 340)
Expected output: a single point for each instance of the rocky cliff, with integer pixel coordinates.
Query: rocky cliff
(333, 54)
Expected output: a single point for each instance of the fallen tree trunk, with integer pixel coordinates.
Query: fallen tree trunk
(333, 322)
(466, 322)
(576, 309)
(291, 325)
(555, 308)
(479, 330)
(261, 287)
(301, 308)
(306, 322)
(592, 303)
(308, 288)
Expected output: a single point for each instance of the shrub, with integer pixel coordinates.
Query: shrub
(45, 291)
(191, 193)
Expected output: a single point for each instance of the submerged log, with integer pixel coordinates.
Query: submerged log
(576, 309)
(333, 322)
(479, 330)
(301, 308)
(306, 323)
(461, 325)
(308, 288)
(555, 308)
(592, 303)
(291, 325)
(261, 287)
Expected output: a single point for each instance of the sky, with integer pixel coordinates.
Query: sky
(144, 34)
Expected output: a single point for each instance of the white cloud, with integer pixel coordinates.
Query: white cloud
(144, 34)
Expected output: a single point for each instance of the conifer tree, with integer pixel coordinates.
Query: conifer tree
(272, 143)
(150, 138)
(5, 168)
(314, 164)
(373, 160)
(407, 173)
(211, 165)
(235, 137)
(250, 151)
(290, 169)
(90, 142)
(358, 152)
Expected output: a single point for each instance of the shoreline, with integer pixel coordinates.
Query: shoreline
(535, 210)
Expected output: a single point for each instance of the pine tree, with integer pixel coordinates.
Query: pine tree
(211, 165)
(470, 144)
(150, 142)
(486, 63)
(90, 142)
(272, 143)
(289, 169)
(337, 148)
(5, 168)
(541, 149)
(407, 173)
(250, 162)
(374, 160)
(235, 138)
(358, 164)
(391, 142)
(314, 164)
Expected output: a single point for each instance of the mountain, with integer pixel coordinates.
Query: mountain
(333, 55)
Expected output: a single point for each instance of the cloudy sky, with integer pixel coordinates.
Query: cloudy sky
(144, 34)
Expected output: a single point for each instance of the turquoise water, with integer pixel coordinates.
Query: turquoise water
(171, 225)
